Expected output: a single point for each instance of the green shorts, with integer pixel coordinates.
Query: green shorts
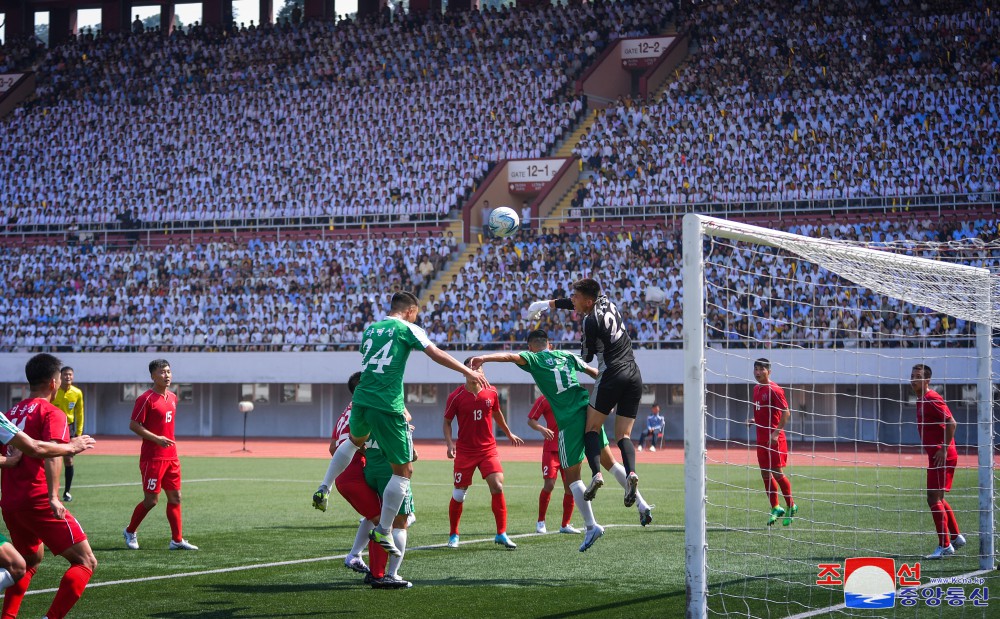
(3, 539)
(571, 445)
(377, 474)
(389, 430)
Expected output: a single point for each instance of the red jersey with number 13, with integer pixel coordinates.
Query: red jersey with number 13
(541, 408)
(24, 486)
(769, 406)
(475, 419)
(156, 413)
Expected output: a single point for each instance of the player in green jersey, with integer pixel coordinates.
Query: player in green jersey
(555, 374)
(378, 404)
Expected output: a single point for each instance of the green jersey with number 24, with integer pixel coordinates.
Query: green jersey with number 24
(385, 347)
(554, 372)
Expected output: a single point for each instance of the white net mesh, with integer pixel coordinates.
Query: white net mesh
(842, 325)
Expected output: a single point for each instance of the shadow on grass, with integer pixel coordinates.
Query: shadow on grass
(618, 607)
(232, 613)
(499, 582)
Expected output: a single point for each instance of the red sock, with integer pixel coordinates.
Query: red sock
(567, 509)
(771, 489)
(543, 504)
(941, 524)
(786, 490)
(377, 559)
(13, 595)
(138, 514)
(174, 518)
(454, 515)
(952, 521)
(71, 587)
(500, 512)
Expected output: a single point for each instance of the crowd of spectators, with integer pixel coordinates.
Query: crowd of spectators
(318, 295)
(368, 120)
(811, 102)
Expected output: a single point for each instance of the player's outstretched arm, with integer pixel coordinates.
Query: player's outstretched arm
(498, 357)
(45, 449)
(442, 358)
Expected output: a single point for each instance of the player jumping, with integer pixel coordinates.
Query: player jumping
(937, 434)
(619, 383)
(476, 407)
(551, 466)
(770, 416)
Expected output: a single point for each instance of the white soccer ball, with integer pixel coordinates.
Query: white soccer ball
(504, 221)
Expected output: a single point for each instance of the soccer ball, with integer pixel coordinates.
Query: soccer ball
(504, 221)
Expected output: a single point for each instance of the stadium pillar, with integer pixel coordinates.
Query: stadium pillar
(266, 12)
(62, 24)
(460, 5)
(167, 18)
(420, 6)
(321, 9)
(115, 16)
(368, 7)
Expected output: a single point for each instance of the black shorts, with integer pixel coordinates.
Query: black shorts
(621, 389)
(72, 429)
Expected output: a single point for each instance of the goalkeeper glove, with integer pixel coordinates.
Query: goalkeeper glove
(535, 309)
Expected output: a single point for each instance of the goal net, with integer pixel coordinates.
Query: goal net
(842, 325)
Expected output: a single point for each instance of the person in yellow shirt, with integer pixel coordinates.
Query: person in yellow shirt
(69, 399)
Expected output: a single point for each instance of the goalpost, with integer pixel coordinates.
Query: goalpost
(855, 465)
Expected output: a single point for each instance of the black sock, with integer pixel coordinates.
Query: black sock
(592, 446)
(69, 477)
(628, 454)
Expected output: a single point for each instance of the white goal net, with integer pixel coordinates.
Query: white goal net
(842, 325)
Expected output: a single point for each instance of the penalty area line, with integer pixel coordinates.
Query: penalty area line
(257, 566)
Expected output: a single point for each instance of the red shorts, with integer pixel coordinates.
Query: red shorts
(551, 465)
(29, 528)
(771, 458)
(940, 477)
(466, 465)
(352, 486)
(158, 474)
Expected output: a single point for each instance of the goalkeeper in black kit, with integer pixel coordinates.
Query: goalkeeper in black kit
(619, 383)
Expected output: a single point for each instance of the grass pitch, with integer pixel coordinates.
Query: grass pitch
(266, 553)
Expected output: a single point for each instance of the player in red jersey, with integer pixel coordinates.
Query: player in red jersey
(352, 486)
(29, 496)
(153, 419)
(937, 434)
(770, 416)
(550, 466)
(476, 407)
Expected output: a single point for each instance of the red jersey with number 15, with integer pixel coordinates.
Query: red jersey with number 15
(540, 409)
(769, 406)
(156, 413)
(475, 419)
(24, 486)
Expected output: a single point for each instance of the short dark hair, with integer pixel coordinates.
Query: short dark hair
(925, 369)
(352, 382)
(538, 335)
(65, 368)
(762, 362)
(468, 362)
(587, 286)
(655, 405)
(41, 368)
(158, 364)
(402, 301)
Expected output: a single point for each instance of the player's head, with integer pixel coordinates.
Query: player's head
(405, 305)
(585, 293)
(538, 340)
(159, 371)
(67, 376)
(352, 382)
(762, 370)
(42, 372)
(920, 378)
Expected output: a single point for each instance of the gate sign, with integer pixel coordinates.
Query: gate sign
(641, 53)
(7, 81)
(531, 175)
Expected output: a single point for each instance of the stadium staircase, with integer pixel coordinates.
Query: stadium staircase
(452, 268)
(566, 150)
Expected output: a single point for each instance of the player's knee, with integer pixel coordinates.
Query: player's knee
(496, 487)
(548, 485)
(459, 494)
(333, 447)
(89, 561)
(17, 570)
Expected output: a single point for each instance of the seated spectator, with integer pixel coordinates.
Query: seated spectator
(653, 429)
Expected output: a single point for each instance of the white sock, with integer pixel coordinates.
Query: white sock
(619, 472)
(578, 489)
(361, 539)
(330, 476)
(341, 460)
(392, 500)
(6, 579)
(399, 538)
